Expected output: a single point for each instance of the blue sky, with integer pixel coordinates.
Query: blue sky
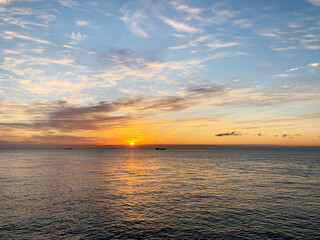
(104, 72)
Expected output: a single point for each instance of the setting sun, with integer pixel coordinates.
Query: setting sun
(132, 143)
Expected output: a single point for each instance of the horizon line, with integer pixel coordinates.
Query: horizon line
(140, 146)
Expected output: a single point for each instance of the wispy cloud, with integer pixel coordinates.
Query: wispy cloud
(283, 48)
(27, 18)
(135, 21)
(192, 12)
(47, 18)
(276, 122)
(192, 43)
(9, 35)
(218, 44)
(312, 47)
(18, 21)
(7, 2)
(310, 65)
(308, 41)
(219, 16)
(81, 23)
(294, 25)
(68, 3)
(179, 26)
(242, 23)
(179, 35)
(76, 37)
(283, 75)
(213, 43)
(314, 2)
(271, 32)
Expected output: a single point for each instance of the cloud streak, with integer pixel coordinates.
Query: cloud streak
(9, 35)
(179, 26)
(234, 133)
(192, 12)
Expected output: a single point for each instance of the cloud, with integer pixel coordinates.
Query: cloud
(191, 97)
(18, 11)
(309, 41)
(192, 12)
(134, 20)
(234, 133)
(283, 75)
(293, 69)
(314, 2)
(276, 122)
(7, 2)
(180, 27)
(179, 35)
(284, 119)
(217, 44)
(62, 139)
(294, 25)
(47, 18)
(68, 3)
(76, 37)
(63, 117)
(214, 44)
(219, 16)
(19, 16)
(42, 75)
(312, 47)
(242, 23)
(271, 32)
(126, 63)
(206, 90)
(49, 139)
(290, 136)
(20, 22)
(169, 103)
(81, 23)
(9, 35)
(283, 48)
(192, 43)
(313, 65)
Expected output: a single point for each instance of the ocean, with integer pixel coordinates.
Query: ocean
(148, 194)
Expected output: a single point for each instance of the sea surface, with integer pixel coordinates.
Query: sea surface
(148, 194)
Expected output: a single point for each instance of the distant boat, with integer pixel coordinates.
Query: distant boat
(160, 149)
(67, 148)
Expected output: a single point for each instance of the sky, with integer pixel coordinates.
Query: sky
(159, 72)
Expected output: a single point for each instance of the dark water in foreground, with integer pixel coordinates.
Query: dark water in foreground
(147, 194)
